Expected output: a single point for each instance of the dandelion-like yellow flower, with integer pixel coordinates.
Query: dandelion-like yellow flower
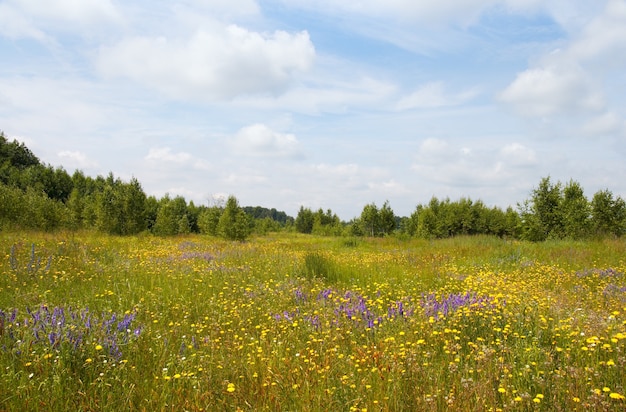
(615, 395)
(98, 347)
(230, 388)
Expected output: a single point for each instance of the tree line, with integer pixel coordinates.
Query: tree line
(38, 196)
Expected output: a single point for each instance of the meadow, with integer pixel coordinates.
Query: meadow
(290, 322)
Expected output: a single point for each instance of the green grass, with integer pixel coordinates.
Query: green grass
(304, 323)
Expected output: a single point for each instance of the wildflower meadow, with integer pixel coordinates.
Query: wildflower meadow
(291, 322)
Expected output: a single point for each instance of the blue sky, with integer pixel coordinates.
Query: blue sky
(327, 104)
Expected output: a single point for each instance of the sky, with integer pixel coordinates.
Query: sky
(323, 104)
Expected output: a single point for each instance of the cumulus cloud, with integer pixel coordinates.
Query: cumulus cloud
(604, 37)
(553, 89)
(219, 62)
(165, 154)
(433, 150)
(389, 187)
(517, 154)
(76, 159)
(260, 140)
(443, 162)
(570, 81)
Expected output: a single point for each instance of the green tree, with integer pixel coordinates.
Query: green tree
(541, 214)
(133, 208)
(304, 220)
(234, 223)
(208, 220)
(167, 219)
(370, 219)
(608, 214)
(386, 219)
(15, 155)
(575, 211)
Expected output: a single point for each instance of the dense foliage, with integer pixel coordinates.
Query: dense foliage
(38, 196)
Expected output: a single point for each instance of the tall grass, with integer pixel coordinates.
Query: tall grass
(304, 323)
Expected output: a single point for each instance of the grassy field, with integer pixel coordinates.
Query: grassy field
(303, 323)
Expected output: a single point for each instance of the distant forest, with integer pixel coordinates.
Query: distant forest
(36, 196)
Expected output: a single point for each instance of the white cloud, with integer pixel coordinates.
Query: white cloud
(516, 154)
(433, 95)
(433, 150)
(33, 18)
(14, 24)
(572, 81)
(553, 89)
(605, 124)
(76, 160)
(330, 95)
(165, 154)
(604, 37)
(455, 166)
(221, 62)
(259, 140)
(389, 187)
(245, 178)
(83, 11)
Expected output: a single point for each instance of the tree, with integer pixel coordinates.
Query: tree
(208, 220)
(386, 219)
(541, 214)
(16, 154)
(134, 207)
(234, 223)
(304, 220)
(326, 223)
(370, 219)
(167, 220)
(608, 215)
(575, 211)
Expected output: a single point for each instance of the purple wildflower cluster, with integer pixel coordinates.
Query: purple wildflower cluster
(614, 291)
(603, 273)
(66, 328)
(442, 307)
(206, 256)
(349, 306)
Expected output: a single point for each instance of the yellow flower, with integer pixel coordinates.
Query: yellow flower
(501, 390)
(230, 387)
(98, 347)
(615, 395)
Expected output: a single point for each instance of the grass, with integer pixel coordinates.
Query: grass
(303, 323)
